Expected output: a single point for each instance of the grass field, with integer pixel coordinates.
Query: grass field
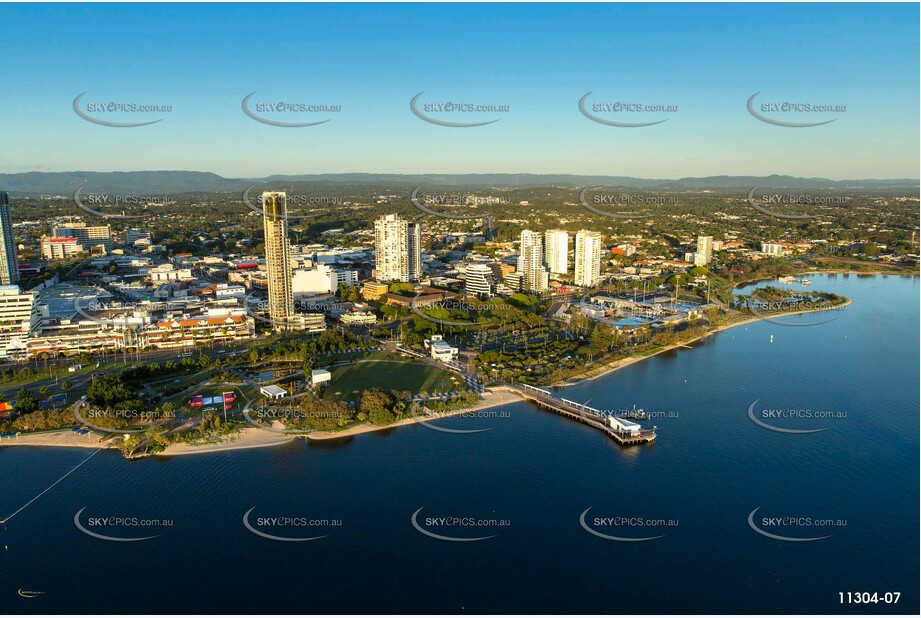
(388, 376)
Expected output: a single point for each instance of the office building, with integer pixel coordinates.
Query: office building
(9, 265)
(479, 280)
(588, 258)
(277, 259)
(59, 248)
(556, 251)
(90, 237)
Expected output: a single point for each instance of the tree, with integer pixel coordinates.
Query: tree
(26, 401)
(381, 416)
(66, 386)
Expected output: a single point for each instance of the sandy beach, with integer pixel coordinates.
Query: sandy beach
(65, 437)
(249, 437)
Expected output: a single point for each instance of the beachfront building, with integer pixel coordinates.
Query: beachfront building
(440, 349)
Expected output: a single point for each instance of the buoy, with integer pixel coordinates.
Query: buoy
(772, 338)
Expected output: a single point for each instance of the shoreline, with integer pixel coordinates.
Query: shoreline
(249, 437)
(252, 437)
(496, 396)
(60, 438)
(613, 366)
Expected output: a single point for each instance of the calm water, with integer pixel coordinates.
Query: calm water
(710, 467)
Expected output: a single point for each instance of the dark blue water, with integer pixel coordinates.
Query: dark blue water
(710, 467)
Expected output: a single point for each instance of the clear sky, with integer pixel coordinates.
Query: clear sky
(538, 59)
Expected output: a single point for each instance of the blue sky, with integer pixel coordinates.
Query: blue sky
(538, 59)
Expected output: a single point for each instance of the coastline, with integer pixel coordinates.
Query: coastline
(496, 396)
(61, 438)
(251, 437)
(613, 366)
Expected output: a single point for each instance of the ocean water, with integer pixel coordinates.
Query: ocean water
(530, 477)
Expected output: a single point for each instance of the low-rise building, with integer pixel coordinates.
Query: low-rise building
(372, 290)
(440, 349)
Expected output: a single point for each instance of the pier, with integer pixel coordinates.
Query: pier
(621, 430)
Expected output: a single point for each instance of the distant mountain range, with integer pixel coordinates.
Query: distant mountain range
(172, 182)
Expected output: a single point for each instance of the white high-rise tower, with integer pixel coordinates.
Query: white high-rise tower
(556, 251)
(588, 258)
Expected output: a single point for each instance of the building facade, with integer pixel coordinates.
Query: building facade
(534, 277)
(556, 251)
(9, 265)
(59, 248)
(479, 280)
(704, 253)
(397, 249)
(17, 320)
(588, 258)
(277, 258)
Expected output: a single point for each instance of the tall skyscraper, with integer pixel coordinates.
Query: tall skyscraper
(534, 277)
(588, 257)
(556, 251)
(9, 265)
(704, 253)
(414, 246)
(277, 258)
(397, 249)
